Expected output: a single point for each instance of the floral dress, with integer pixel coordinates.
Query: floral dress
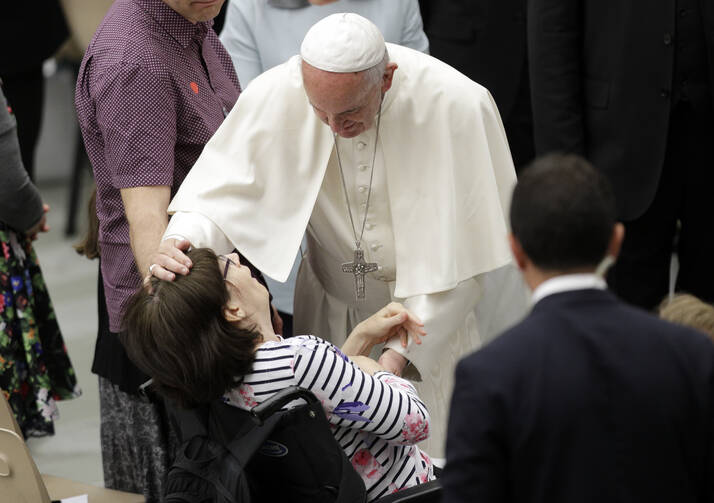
(35, 371)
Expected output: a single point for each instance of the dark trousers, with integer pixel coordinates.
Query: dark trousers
(683, 200)
(25, 95)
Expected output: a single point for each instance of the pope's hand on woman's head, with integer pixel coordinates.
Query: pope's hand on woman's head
(170, 259)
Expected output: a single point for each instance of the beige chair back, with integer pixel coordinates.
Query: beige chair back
(20, 481)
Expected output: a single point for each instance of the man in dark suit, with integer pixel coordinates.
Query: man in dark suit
(629, 84)
(486, 41)
(588, 399)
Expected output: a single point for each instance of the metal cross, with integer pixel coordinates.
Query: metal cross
(359, 268)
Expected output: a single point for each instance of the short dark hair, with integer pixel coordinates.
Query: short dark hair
(176, 333)
(563, 213)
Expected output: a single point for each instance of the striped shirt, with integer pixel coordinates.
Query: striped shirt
(377, 420)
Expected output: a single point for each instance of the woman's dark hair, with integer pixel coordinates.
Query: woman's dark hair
(89, 246)
(176, 333)
(563, 213)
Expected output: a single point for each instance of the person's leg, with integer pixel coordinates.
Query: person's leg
(641, 274)
(696, 240)
(137, 442)
(25, 94)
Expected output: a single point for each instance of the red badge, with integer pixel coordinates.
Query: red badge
(194, 87)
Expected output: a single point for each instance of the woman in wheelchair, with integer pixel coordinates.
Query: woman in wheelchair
(209, 335)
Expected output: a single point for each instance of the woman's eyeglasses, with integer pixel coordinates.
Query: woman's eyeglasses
(228, 264)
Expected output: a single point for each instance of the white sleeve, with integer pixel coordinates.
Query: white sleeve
(413, 35)
(239, 40)
(442, 313)
(199, 230)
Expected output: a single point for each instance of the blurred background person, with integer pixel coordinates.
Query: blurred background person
(260, 34)
(486, 41)
(30, 33)
(35, 370)
(689, 311)
(629, 84)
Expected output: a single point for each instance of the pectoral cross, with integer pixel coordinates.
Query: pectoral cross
(359, 268)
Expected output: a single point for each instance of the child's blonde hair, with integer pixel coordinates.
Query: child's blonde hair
(688, 310)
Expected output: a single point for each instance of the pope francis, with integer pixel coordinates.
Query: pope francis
(397, 170)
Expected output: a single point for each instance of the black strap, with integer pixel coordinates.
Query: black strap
(244, 446)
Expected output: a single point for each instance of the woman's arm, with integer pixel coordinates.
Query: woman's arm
(383, 404)
(20, 203)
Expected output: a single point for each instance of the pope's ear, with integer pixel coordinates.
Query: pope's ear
(388, 76)
(233, 313)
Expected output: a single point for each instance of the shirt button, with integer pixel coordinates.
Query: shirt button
(361, 145)
(667, 39)
(374, 247)
(369, 227)
(362, 167)
(362, 189)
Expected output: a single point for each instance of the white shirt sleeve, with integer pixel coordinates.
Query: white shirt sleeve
(239, 40)
(199, 230)
(413, 35)
(442, 313)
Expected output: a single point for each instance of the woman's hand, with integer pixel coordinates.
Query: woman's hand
(393, 320)
(40, 226)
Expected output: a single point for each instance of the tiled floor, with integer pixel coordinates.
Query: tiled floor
(74, 450)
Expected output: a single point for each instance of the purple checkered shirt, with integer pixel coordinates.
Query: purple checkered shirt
(151, 91)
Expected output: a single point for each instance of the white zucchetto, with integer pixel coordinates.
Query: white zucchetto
(343, 43)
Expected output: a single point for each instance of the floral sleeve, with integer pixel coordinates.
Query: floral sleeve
(383, 404)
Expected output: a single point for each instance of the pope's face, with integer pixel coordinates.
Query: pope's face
(196, 11)
(347, 102)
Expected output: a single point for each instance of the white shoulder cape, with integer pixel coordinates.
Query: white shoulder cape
(449, 173)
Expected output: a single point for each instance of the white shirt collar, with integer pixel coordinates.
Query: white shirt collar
(567, 283)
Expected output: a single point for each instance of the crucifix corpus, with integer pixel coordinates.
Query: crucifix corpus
(358, 267)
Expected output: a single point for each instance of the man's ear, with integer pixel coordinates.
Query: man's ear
(233, 313)
(519, 255)
(388, 76)
(618, 236)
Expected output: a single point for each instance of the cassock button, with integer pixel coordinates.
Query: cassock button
(361, 145)
(667, 39)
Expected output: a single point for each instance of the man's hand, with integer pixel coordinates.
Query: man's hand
(393, 362)
(170, 260)
(366, 364)
(40, 226)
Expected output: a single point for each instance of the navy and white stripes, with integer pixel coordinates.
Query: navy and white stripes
(378, 419)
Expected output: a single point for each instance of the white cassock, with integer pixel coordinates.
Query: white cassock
(436, 222)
